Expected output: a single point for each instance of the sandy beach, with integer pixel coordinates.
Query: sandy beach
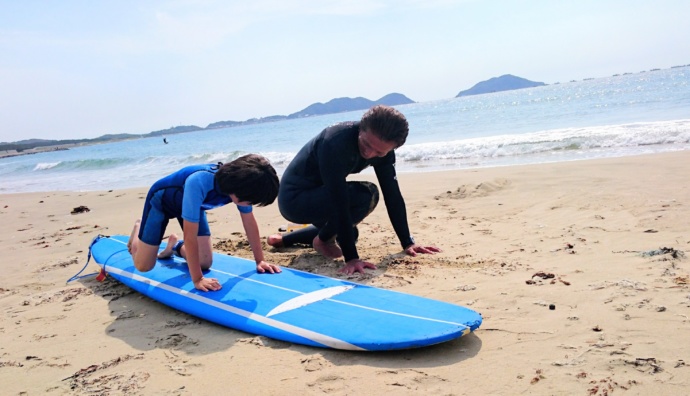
(605, 242)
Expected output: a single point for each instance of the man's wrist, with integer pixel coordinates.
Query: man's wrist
(408, 243)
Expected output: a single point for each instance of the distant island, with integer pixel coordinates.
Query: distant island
(506, 82)
(339, 105)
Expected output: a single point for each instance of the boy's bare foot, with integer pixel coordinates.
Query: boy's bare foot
(329, 249)
(168, 251)
(133, 236)
(275, 240)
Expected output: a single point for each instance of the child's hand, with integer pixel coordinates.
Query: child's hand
(207, 284)
(267, 267)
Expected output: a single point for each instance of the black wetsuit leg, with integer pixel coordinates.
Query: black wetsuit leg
(314, 207)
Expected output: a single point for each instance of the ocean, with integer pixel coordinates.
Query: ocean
(630, 114)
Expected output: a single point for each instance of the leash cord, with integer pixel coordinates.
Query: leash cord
(88, 258)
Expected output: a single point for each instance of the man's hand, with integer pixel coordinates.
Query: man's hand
(356, 265)
(207, 284)
(413, 249)
(267, 267)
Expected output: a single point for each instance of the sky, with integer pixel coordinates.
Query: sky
(75, 69)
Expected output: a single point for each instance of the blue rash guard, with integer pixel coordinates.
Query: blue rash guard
(185, 195)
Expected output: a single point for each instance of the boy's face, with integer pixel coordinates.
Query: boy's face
(237, 201)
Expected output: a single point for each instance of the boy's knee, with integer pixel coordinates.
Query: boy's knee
(144, 262)
(373, 192)
(206, 264)
(374, 195)
(364, 196)
(144, 265)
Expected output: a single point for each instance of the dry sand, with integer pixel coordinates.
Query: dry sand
(515, 240)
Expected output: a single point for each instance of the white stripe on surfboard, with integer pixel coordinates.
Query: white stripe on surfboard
(308, 334)
(182, 261)
(308, 298)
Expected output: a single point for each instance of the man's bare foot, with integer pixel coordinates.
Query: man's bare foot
(328, 249)
(275, 240)
(168, 251)
(133, 236)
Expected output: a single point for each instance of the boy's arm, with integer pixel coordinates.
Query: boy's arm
(192, 251)
(252, 231)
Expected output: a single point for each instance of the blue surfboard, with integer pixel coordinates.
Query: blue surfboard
(293, 306)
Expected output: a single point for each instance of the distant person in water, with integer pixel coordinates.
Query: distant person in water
(165, 140)
(186, 195)
(314, 189)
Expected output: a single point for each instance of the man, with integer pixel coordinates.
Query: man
(314, 189)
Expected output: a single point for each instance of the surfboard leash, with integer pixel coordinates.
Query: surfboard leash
(100, 276)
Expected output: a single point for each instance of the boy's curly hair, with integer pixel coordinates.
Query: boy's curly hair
(251, 178)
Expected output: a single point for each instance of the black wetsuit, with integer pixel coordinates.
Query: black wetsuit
(314, 190)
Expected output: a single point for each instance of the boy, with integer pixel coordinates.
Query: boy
(186, 195)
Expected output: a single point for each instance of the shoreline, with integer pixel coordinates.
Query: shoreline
(404, 168)
(619, 323)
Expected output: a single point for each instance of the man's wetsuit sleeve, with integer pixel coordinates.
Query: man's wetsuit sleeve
(334, 168)
(395, 204)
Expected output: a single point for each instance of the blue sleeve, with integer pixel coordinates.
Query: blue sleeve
(195, 189)
(244, 209)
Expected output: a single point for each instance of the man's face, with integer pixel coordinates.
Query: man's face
(371, 146)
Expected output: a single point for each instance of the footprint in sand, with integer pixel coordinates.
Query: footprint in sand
(62, 295)
(175, 341)
(59, 265)
(412, 379)
(473, 191)
(330, 383)
(180, 366)
(173, 324)
(315, 363)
